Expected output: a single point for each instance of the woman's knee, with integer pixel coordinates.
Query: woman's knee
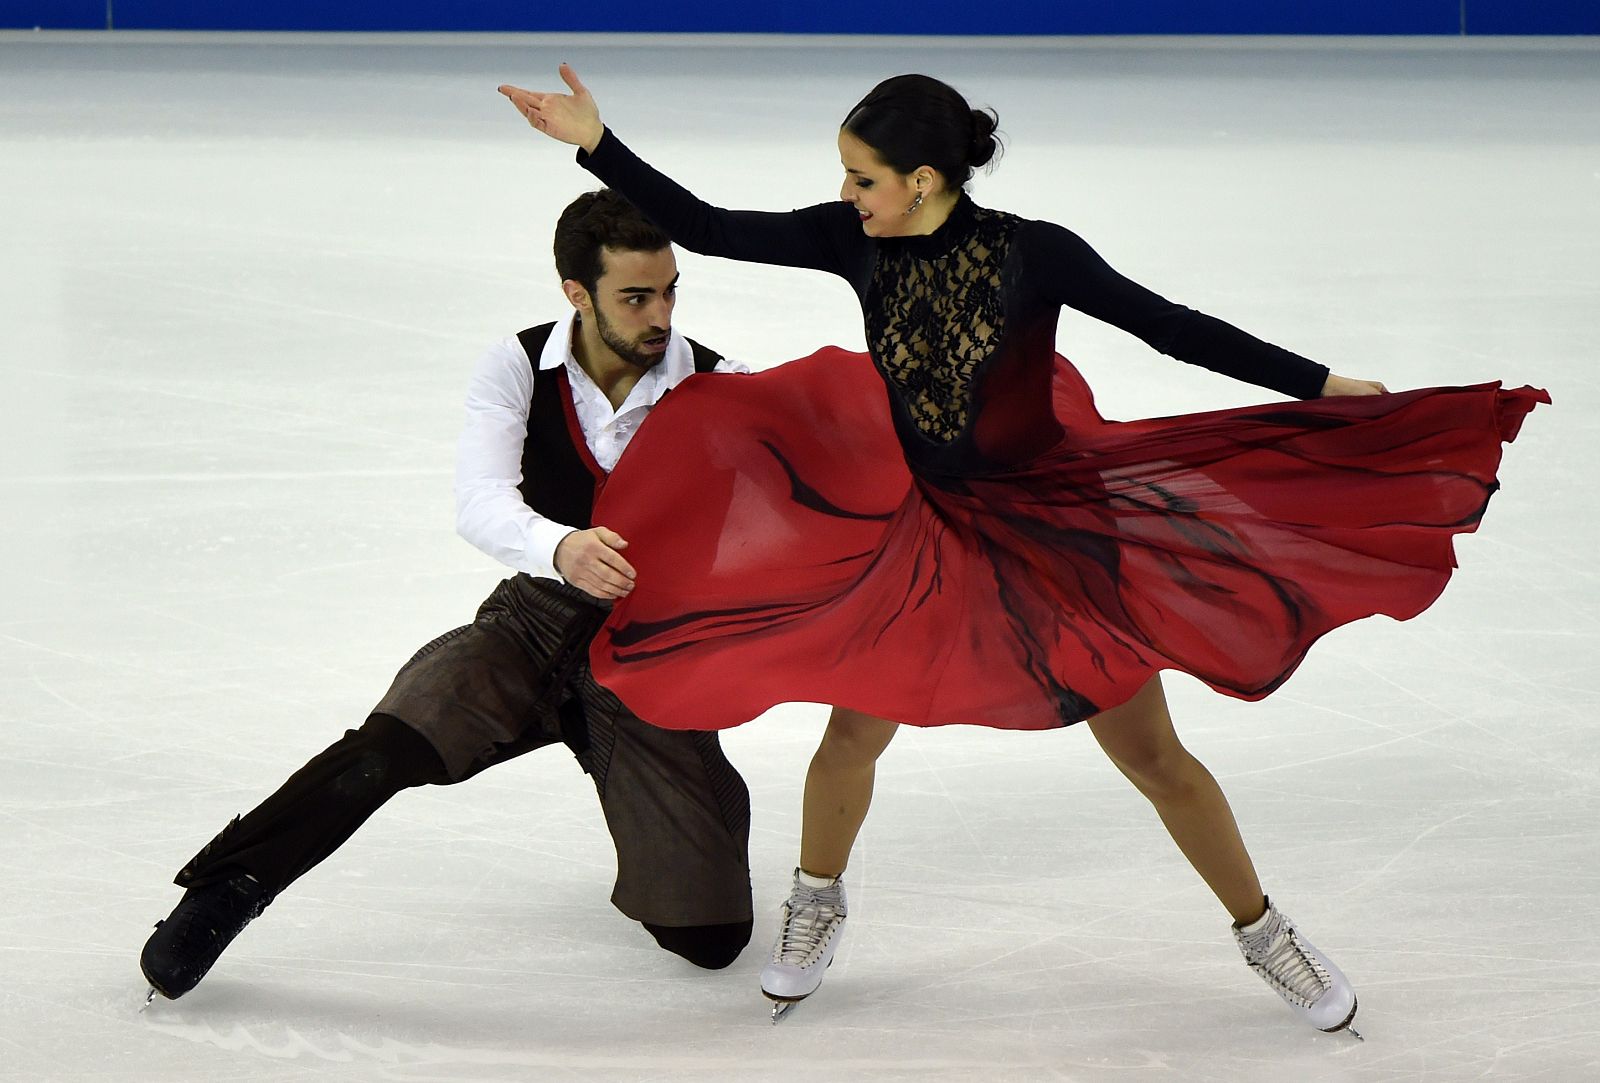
(1158, 770)
(855, 738)
(1139, 738)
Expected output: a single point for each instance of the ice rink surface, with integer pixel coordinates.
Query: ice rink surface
(242, 283)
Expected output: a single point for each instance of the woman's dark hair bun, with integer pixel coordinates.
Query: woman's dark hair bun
(915, 120)
(985, 144)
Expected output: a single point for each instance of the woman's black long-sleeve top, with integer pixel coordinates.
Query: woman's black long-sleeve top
(960, 322)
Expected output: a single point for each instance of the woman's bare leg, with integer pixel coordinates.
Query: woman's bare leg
(839, 789)
(1139, 738)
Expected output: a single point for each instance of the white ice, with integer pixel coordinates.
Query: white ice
(242, 282)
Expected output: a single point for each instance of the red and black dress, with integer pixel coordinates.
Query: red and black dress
(947, 531)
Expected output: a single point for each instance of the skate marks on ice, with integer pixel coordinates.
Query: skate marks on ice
(393, 1059)
(238, 371)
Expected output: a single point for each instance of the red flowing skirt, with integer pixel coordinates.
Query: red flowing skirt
(785, 552)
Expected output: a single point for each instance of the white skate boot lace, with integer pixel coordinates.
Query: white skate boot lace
(1274, 951)
(809, 919)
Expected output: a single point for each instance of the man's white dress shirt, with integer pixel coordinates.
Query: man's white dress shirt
(490, 511)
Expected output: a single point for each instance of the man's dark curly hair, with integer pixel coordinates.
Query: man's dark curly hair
(594, 222)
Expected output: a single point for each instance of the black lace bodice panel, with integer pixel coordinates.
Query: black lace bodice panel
(932, 320)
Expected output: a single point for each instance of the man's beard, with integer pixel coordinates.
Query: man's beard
(631, 352)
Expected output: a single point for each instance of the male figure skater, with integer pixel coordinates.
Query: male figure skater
(548, 414)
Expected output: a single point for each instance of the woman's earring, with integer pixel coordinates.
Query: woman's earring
(915, 203)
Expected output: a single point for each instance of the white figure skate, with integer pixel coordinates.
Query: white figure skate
(813, 925)
(1305, 978)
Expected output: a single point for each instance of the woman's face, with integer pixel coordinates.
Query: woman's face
(878, 193)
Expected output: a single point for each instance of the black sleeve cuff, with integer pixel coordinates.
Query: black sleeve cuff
(603, 150)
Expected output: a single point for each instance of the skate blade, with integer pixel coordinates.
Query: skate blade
(149, 999)
(1345, 1026)
(782, 1006)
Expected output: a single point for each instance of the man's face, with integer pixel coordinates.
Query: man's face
(633, 304)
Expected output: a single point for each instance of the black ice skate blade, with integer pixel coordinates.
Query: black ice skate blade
(155, 987)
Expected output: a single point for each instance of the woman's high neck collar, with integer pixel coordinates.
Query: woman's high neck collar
(956, 228)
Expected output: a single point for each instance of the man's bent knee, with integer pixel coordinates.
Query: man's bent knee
(711, 947)
(390, 755)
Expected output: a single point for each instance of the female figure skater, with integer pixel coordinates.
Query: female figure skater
(978, 545)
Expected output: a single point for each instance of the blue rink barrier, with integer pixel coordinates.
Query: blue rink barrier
(953, 17)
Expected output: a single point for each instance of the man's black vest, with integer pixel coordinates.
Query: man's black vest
(559, 474)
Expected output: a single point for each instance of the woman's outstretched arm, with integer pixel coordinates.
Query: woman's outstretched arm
(821, 237)
(1086, 282)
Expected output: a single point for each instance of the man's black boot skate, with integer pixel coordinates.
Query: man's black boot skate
(186, 945)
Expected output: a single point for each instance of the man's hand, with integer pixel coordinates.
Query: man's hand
(571, 118)
(1335, 386)
(591, 560)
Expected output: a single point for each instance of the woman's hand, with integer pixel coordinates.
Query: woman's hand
(571, 118)
(1342, 385)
